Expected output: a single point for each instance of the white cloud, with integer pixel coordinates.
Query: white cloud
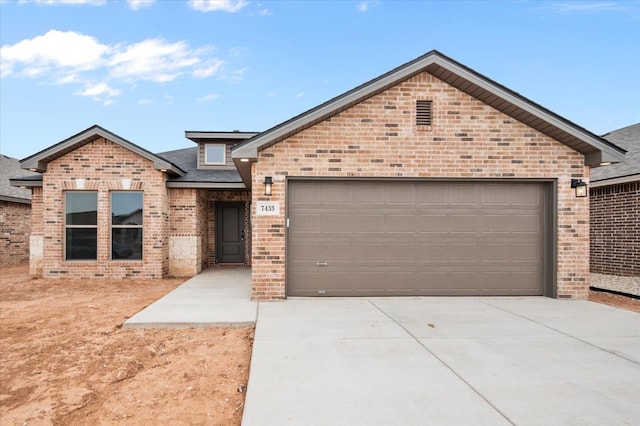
(145, 102)
(100, 92)
(584, 6)
(65, 52)
(100, 89)
(218, 5)
(208, 98)
(364, 6)
(70, 58)
(299, 95)
(153, 60)
(208, 69)
(139, 4)
(66, 2)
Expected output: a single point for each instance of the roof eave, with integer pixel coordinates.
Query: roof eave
(25, 183)
(39, 161)
(18, 200)
(203, 136)
(207, 185)
(615, 180)
(429, 63)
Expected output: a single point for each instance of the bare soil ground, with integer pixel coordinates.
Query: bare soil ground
(64, 359)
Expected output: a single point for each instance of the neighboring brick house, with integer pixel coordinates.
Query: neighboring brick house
(615, 209)
(15, 214)
(428, 180)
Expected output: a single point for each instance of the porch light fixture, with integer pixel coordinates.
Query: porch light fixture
(268, 184)
(580, 187)
(244, 160)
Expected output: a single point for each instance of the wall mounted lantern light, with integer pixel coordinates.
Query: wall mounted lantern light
(268, 184)
(580, 187)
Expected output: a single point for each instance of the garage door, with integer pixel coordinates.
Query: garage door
(380, 238)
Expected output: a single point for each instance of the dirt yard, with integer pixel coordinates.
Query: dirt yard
(65, 360)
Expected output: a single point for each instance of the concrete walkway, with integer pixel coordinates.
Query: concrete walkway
(217, 297)
(444, 361)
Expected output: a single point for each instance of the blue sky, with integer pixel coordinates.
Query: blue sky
(149, 70)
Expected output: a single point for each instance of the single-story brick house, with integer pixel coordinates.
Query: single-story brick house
(15, 214)
(429, 180)
(615, 209)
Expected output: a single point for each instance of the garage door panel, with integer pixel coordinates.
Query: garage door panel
(433, 194)
(465, 194)
(463, 223)
(527, 196)
(432, 223)
(415, 238)
(526, 223)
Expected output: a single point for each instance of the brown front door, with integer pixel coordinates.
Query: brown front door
(230, 233)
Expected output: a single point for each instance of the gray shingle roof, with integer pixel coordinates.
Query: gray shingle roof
(10, 168)
(187, 160)
(627, 138)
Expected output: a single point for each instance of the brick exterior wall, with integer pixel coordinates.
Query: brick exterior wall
(615, 229)
(188, 231)
(15, 227)
(105, 167)
(379, 138)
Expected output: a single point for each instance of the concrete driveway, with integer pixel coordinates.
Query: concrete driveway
(444, 361)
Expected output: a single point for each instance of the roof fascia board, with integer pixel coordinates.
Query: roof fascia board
(15, 199)
(613, 154)
(206, 185)
(37, 162)
(198, 136)
(24, 182)
(614, 181)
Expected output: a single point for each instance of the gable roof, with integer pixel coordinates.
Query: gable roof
(595, 149)
(627, 138)
(10, 169)
(38, 162)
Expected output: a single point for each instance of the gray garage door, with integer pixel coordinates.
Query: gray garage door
(357, 238)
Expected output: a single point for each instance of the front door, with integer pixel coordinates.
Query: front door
(230, 233)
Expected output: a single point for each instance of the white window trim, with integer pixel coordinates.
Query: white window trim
(224, 155)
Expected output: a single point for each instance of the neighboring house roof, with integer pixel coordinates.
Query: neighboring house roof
(38, 162)
(627, 138)
(10, 168)
(595, 149)
(187, 160)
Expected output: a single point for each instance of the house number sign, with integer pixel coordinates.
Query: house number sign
(268, 208)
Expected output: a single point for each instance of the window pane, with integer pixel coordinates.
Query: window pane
(126, 243)
(215, 154)
(81, 244)
(126, 208)
(81, 208)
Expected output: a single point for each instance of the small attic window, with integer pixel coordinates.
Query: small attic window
(214, 154)
(423, 113)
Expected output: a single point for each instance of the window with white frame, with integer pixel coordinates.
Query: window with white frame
(81, 225)
(126, 225)
(215, 154)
